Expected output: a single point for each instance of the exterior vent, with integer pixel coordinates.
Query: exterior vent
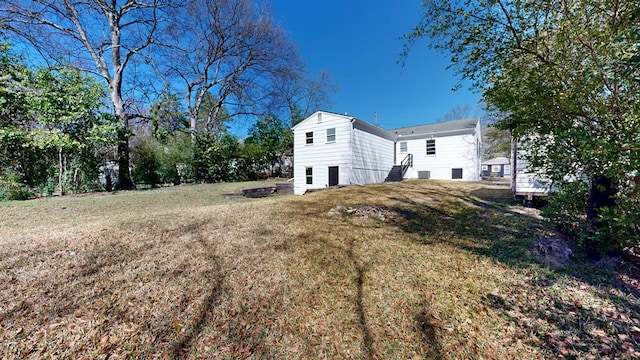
(424, 174)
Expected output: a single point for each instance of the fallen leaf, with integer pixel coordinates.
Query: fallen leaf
(55, 325)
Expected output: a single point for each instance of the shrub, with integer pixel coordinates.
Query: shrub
(214, 157)
(177, 159)
(566, 208)
(146, 161)
(619, 226)
(615, 228)
(11, 188)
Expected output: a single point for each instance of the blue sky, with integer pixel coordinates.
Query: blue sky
(359, 43)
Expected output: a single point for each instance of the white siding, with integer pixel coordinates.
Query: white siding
(365, 154)
(524, 183)
(452, 152)
(372, 157)
(321, 155)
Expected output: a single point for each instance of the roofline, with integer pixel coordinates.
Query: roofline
(389, 135)
(322, 111)
(439, 133)
(392, 135)
(477, 119)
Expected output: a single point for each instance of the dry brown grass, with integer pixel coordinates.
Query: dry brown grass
(182, 273)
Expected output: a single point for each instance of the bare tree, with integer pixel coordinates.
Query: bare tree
(99, 36)
(457, 112)
(300, 94)
(230, 49)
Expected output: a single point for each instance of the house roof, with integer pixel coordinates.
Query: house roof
(351, 118)
(454, 127)
(447, 128)
(497, 161)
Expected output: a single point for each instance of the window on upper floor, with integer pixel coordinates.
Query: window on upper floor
(431, 147)
(309, 136)
(403, 146)
(309, 175)
(331, 135)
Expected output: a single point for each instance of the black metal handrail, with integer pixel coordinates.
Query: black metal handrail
(406, 163)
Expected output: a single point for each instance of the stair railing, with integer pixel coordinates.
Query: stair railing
(406, 163)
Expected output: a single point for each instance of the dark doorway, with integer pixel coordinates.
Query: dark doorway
(333, 175)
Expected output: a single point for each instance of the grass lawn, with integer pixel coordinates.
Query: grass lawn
(182, 272)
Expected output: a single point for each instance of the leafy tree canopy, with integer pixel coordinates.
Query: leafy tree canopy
(50, 122)
(564, 74)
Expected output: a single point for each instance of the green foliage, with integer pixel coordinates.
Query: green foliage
(564, 75)
(51, 131)
(275, 139)
(11, 188)
(214, 156)
(296, 115)
(496, 142)
(146, 160)
(177, 159)
(157, 163)
(621, 225)
(13, 75)
(211, 115)
(566, 208)
(250, 164)
(168, 117)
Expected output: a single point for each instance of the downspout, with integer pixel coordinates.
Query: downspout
(351, 141)
(395, 152)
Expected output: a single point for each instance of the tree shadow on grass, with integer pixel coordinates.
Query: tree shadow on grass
(83, 287)
(565, 325)
(185, 341)
(428, 329)
(360, 272)
(337, 258)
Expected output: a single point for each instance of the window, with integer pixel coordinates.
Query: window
(431, 147)
(456, 173)
(309, 172)
(403, 146)
(310, 138)
(331, 135)
(506, 169)
(485, 167)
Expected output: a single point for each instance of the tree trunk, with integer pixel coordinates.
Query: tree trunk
(601, 195)
(124, 175)
(60, 171)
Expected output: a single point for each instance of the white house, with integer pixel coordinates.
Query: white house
(332, 149)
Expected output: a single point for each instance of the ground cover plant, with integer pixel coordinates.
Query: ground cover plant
(419, 269)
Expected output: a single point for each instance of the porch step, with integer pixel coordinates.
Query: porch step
(395, 174)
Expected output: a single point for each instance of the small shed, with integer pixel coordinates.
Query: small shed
(496, 167)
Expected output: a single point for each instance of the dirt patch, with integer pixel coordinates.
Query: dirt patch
(552, 252)
(366, 212)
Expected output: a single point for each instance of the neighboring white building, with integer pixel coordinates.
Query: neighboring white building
(332, 149)
(499, 167)
(445, 151)
(524, 184)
